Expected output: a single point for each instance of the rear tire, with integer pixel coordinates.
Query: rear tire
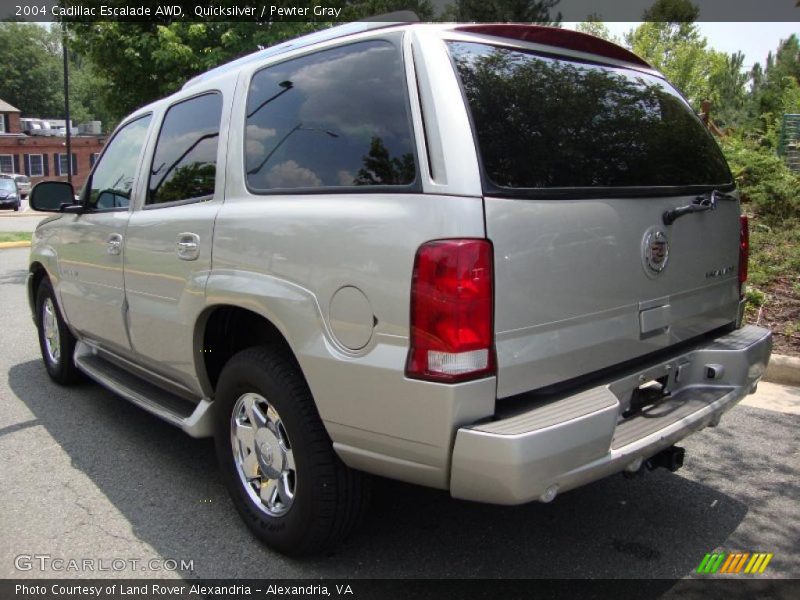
(278, 463)
(55, 339)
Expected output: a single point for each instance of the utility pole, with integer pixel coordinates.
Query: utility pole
(66, 102)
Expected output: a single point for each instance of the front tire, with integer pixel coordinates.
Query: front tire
(55, 339)
(278, 463)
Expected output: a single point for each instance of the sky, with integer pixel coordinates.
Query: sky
(755, 40)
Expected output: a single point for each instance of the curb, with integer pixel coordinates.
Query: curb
(21, 244)
(784, 370)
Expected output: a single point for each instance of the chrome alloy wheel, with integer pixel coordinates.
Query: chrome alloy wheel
(52, 340)
(263, 454)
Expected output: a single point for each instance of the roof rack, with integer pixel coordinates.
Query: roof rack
(369, 24)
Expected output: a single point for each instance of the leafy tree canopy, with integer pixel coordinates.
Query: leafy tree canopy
(32, 69)
(521, 11)
(143, 62)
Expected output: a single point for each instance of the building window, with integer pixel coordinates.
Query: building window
(6, 163)
(2, 123)
(63, 164)
(93, 158)
(37, 165)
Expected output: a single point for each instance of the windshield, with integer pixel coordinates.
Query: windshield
(7, 185)
(547, 122)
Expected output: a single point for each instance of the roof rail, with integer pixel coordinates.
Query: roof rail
(368, 24)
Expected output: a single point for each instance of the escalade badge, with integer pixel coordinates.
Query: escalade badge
(655, 251)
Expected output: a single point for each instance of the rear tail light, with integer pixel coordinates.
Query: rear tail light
(452, 329)
(744, 251)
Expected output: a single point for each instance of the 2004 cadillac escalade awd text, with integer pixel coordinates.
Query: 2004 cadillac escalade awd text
(501, 260)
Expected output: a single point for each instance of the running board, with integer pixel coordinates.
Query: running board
(195, 419)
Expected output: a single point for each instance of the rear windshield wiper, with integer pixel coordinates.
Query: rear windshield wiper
(703, 202)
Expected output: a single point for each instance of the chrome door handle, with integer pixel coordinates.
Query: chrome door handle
(188, 246)
(114, 244)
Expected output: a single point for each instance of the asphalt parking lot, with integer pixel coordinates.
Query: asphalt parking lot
(84, 474)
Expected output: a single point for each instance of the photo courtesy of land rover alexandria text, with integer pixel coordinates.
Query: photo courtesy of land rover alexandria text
(499, 260)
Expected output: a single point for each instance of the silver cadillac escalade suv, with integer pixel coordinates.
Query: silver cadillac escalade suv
(499, 260)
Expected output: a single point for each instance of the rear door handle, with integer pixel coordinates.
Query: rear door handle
(188, 246)
(114, 244)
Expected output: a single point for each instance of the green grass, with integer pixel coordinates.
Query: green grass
(15, 236)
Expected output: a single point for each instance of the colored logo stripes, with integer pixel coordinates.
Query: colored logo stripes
(735, 562)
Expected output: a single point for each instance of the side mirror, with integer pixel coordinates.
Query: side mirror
(51, 196)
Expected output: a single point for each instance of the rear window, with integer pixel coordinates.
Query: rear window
(546, 122)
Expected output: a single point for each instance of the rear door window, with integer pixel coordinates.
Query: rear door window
(543, 123)
(185, 161)
(337, 118)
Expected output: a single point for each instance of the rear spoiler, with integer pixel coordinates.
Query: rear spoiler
(555, 36)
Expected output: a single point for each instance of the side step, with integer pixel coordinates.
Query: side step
(195, 419)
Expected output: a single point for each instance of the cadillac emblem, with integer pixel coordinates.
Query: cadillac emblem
(655, 251)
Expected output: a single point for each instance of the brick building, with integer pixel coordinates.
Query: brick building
(44, 158)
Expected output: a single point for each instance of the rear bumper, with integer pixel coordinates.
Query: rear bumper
(577, 439)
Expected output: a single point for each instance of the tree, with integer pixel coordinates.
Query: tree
(145, 61)
(381, 169)
(594, 26)
(679, 51)
(358, 9)
(32, 71)
(528, 11)
(672, 11)
(773, 89)
(728, 90)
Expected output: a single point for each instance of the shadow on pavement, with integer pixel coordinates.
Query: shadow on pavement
(167, 485)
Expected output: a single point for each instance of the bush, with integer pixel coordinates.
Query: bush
(766, 184)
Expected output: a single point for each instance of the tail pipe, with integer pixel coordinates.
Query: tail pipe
(670, 458)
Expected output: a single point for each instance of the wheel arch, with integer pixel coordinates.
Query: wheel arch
(223, 330)
(37, 273)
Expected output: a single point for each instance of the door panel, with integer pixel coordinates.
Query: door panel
(168, 242)
(92, 289)
(91, 253)
(165, 292)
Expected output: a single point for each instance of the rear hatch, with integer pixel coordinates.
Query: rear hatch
(580, 160)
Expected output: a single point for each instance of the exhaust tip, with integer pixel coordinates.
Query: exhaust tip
(635, 465)
(549, 494)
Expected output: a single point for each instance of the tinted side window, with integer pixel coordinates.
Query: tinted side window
(112, 180)
(185, 161)
(337, 118)
(544, 122)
